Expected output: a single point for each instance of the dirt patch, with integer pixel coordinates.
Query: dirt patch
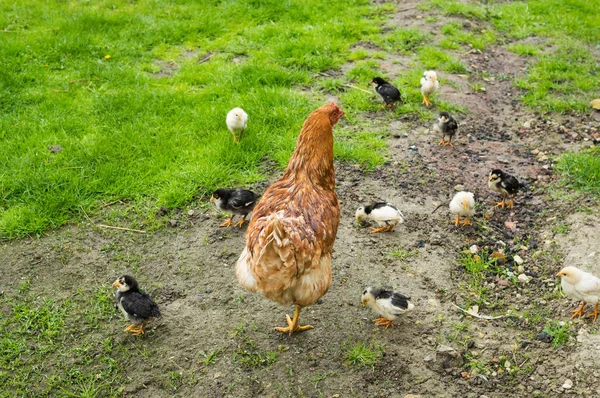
(189, 269)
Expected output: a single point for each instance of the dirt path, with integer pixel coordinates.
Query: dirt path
(190, 271)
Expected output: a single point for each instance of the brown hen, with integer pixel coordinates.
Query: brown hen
(289, 241)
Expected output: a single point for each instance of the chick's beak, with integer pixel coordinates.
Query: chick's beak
(559, 274)
(116, 284)
(212, 199)
(465, 205)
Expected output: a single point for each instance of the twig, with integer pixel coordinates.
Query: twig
(206, 58)
(357, 88)
(479, 316)
(120, 228)
(86, 215)
(111, 203)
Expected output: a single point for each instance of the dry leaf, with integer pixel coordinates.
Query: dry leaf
(596, 104)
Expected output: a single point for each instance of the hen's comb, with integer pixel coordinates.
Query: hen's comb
(335, 106)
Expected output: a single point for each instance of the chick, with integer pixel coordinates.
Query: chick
(505, 184)
(388, 92)
(447, 127)
(580, 285)
(237, 121)
(136, 304)
(388, 304)
(463, 204)
(429, 84)
(235, 201)
(383, 214)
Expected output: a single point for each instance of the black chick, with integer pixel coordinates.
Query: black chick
(236, 201)
(136, 304)
(505, 184)
(447, 126)
(389, 93)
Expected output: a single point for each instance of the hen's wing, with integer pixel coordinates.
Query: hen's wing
(291, 234)
(140, 305)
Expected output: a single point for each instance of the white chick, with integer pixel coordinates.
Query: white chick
(385, 215)
(388, 304)
(581, 285)
(429, 83)
(237, 121)
(463, 205)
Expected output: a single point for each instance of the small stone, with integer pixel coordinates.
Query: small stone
(503, 282)
(173, 223)
(474, 249)
(459, 187)
(510, 225)
(520, 269)
(502, 159)
(55, 148)
(567, 384)
(190, 212)
(523, 278)
(518, 259)
(527, 124)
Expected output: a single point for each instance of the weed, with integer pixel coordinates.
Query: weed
(527, 50)
(559, 331)
(403, 254)
(361, 354)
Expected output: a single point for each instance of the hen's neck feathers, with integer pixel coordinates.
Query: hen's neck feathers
(313, 157)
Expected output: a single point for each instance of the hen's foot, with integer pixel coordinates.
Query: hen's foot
(578, 311)
(293, 326)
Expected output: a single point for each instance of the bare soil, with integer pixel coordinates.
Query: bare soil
(189, 269)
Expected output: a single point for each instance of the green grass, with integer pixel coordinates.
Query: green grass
(403, 254)
(362, 354)
(564, 76)
(581, 170)
(47, 347)
(147, 124)
(560, 333)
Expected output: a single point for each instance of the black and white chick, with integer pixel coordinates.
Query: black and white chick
(235, 201)
(136, 304)
(387, 91)
(504, 184)
(447, 127)
(387, 304)
(385, 215)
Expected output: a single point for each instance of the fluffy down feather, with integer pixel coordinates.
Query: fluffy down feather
(429, 83)
(290, 238)
(237, 121)
(583, 286)
(463, 204)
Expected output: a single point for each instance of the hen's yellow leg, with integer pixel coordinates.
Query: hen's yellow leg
(293, 323)
(228, 222)
(578, 311)
(595, 313)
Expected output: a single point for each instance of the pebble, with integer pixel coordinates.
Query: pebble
(502, 159)
(520, 269)
(523, 278)
(190, 212)
(503, 282)
(474, 249)
(567, 384)
(518, 259)
(173, 223)
(459, 187)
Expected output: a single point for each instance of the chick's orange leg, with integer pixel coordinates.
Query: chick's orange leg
(381, 321)
(466, 222)
(595, 313)
(228, 222)
(426, 101)
(442, 142)
(130, 327)
(293, 323)
(380, 229)
(139, 330)
(578, 311)
(241, 223)
(457, 221)
(501, 204)
(510, 203)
